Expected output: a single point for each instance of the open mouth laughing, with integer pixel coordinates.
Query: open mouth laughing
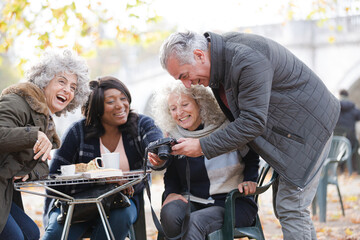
(61, 98)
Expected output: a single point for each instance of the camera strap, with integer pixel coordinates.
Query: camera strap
(156, 221)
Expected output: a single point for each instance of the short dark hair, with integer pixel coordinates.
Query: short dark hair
(344, 93)
(93, 109)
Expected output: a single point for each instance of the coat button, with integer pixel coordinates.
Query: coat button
(289, 135)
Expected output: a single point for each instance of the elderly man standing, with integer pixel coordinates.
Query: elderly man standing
(278, 107)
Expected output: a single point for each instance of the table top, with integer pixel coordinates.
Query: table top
(52, 180)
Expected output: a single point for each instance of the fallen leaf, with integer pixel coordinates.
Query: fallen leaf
(348, 232)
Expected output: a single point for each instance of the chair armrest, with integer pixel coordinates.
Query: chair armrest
(229, 216)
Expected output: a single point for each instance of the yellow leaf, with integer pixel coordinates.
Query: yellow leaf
(331, 39)
(334, 217)
(352, 198)
(348, 232)
(89, 54)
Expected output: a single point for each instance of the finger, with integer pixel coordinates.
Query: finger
(180, 140)
(40, 152)
(246, 188)
(36, 145)
(46, 155)
(26, 177)
(240, 188)
(183, 199)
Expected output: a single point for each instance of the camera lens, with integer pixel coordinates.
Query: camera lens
(164, 152)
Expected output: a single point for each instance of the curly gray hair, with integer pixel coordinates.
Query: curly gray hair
(181, 46)
(54, 62)
(210, 111)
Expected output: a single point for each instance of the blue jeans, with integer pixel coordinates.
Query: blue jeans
(120, 221)
(19, 226)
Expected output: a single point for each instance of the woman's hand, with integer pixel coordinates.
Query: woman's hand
(247, 187)
(174, 196)
(129, 191)
(155, 160)
(42, 147)
(23, 178)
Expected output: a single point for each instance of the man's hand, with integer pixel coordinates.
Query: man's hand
(187, 146)
(247, 187)
(174, 196)
(155, 160)
(42, 147)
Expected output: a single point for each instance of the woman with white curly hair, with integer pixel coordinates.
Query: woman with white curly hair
(193, 113)
(58, 83)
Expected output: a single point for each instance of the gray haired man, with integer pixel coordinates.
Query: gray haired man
(278, 107)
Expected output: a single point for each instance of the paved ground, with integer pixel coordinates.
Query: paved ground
(337, 227)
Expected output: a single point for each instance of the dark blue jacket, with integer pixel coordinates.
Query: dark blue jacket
(349, 115)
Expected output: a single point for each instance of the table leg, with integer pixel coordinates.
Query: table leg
(67, 224)
(105, 222)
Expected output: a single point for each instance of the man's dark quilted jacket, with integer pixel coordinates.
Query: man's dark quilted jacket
(279, 106)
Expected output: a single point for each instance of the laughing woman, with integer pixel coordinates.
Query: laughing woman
(193, 112)
(110, 125)
(55, 85)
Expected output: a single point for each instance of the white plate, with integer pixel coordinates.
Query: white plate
(74, 176)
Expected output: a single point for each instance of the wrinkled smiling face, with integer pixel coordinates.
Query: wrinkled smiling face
(185, 111)
(116, 108)
(60, 91)
(197, 73)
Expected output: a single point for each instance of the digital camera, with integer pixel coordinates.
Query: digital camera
(162, 147)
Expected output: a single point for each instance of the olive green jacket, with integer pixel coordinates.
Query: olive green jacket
(23, 112)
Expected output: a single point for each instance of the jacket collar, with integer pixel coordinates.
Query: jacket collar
(217, 59)
(32, 94)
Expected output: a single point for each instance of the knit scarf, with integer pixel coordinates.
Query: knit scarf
(180, 132)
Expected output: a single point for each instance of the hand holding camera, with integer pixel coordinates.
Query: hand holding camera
(162, 147)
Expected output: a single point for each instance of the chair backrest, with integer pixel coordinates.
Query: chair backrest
(340, 149)
(263, 171)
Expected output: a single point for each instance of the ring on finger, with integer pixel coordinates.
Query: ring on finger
(245, 184)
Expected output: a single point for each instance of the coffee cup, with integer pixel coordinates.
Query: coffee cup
(67, 170)
(110, 160)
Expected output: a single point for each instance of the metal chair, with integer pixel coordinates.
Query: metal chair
(229, 231)
(340, 151)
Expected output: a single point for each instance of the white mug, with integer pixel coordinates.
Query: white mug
(110, 160)
(67, 170)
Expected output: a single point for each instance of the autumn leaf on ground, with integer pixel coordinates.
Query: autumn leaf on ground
(351, 198)
(348, 232)
(355, 219)
(335, 216)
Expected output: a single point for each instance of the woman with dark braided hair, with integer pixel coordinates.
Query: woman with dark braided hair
(110, 125)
